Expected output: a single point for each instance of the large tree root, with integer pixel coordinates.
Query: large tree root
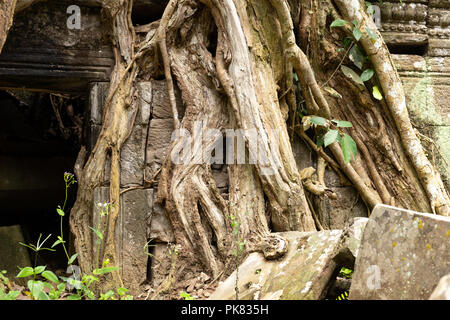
(244, 82)
(395, 98)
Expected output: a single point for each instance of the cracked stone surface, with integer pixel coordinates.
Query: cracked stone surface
(302, 274)
(403, 255)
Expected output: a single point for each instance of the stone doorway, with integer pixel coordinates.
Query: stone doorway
(40, 137)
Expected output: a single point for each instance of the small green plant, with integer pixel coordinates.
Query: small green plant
(330, 132)
(35, 286)
(345, 273)
(5, 285)
(69, 179)
(84, 286)
(355, 54)
(104, 210)
(186, 296)
(45, 285)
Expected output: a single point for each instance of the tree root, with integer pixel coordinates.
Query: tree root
(395, 99)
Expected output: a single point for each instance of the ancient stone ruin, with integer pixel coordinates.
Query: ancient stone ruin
(54, 82)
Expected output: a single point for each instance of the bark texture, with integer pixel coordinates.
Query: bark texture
(234, 62)
(6, 19)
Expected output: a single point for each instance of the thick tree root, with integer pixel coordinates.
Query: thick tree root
(395, 98)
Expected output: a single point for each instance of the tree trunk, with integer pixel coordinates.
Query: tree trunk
(234, 62)
(6, 19)
(243, 81)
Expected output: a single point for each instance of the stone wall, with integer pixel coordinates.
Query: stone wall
(142, 221)
(42, 53)
(418, 31)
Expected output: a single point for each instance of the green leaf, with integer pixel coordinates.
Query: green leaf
(355, 23)
(50, 276)
(342, 124)
(56, 243)
(31, 246)
(339, 139)
(367, 75)
(48, 285)
(333, 92)
(107, 295)
(12, 295)
(98, 233)
(60, 212)
(319, 141)
(39, 269)
(72, 258)
(372, 34)
(90, 294)
(349, 148)
(74, 297)
(376, 93)
(122, 291)
(105, 270)
(357, 57)
(36, 287)
(349, 73)
(186, 296)
(357, 33)
(330, 137)
(318, 120)
(347, 41)
(338, 23)
(25, 272)
(61, 287)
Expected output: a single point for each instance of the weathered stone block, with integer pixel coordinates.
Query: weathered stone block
(12, 254)
(130, 233)
(41, 52)
(221, 177)
(403, 255)
(350, 242)
(161, 102)
(303, 273)
(159, 140)
(132, 230)
(160, 227)
(145, 96)
(337, 212)
(98, 92)
(426, 81)
(132, 157)
(132, 160)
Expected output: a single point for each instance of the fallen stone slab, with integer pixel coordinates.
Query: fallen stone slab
(442, 291)
(403, 255)
(304, 273)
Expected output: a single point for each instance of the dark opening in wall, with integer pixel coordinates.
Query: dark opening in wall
(40, 136)
(147, 11)
(419, 50)
(151, 257)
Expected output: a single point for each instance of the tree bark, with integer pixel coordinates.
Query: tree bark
(234, 62)
(6, 19)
